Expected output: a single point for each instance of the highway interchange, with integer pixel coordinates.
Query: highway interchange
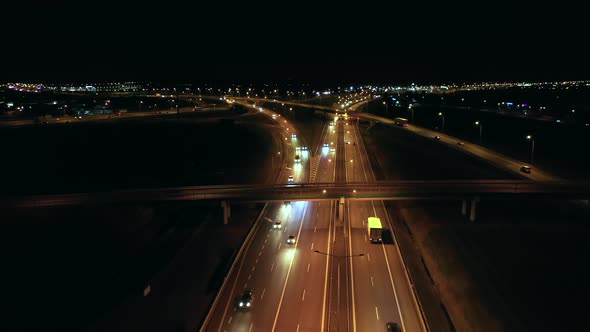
(332, 278)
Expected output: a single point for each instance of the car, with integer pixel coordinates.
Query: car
(331, 123)
(287, 202)
(297, 148)
(246, 299)
(293, 136)
(332, 149)
(304, 148)
(393, 327)
(525, 169)
(291, 239)
(297, 159)
(437, 138)
(277, 224)
(325, 145)
(290, 179)
(460, 143)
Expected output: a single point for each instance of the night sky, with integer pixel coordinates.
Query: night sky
(328, 43)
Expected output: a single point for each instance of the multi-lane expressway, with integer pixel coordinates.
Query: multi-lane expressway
(332, 278)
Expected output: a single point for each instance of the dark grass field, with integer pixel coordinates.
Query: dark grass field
(66, 268)
(69, 268)
(152, 152)
(401, 155)
(533, 254)
(559, 148)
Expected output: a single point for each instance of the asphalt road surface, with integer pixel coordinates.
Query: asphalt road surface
(332, 278)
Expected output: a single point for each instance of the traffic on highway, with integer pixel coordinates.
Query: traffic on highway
(320, 270)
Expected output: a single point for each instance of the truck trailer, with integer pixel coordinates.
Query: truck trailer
(375, 229)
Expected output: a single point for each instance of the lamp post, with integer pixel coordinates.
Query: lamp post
(411, 109)
(337, 256)
(531, 138)
(443, 120)
(480, 125)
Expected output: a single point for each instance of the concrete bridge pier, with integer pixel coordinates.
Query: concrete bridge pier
(226, 212)
(341, 210)
(464, 208)
(473, 207)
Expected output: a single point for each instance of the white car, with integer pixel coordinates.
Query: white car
(290, 179)
(277, 224)
(291, 239)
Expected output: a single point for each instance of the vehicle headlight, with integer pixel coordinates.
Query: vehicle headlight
(248, 304)
(241, 304)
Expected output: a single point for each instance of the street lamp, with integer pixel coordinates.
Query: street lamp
(531, 138)
(480, 125)
(443, 120)
(338, 256)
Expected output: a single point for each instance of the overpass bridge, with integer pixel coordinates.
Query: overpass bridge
(381, 190)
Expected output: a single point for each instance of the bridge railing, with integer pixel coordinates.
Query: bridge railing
(376, 190)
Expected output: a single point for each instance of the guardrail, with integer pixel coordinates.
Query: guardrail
(238, 256)
(407, 273)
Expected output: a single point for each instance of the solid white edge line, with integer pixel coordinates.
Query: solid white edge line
(274, 324)
(245, 247)
(351, 270)
(407, 274)
(326, 274)
(401, 318)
